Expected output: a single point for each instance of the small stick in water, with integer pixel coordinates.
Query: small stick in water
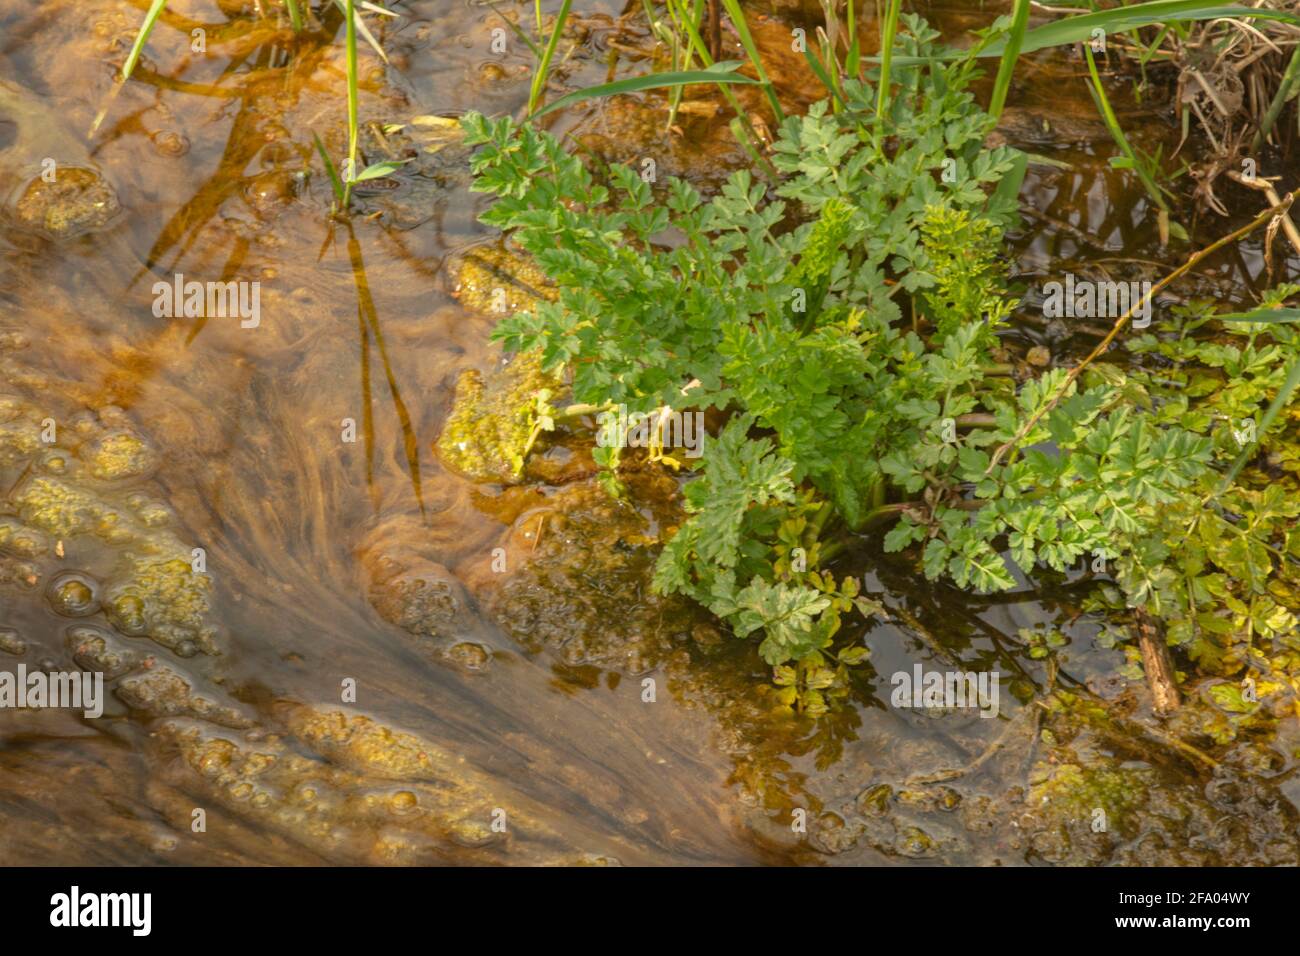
(1157, 664)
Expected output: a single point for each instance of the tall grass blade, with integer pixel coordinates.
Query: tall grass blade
(141, 38)
(819, 71)
(544, 67)
(1010, 55)
(718, 73)
(1118, 20)
(517, 30)
(1117, 133)
(853, 58)
(1124, 19)
(355, 21)
(1007, 191)
(1284, 91)
(751, 50)
(335, 182)
(690, 26)
(887, 55)
(349, 14)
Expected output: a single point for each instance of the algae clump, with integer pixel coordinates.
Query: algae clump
(495, 419)
(77, 200)
(119, 456)
(165, 600)
(495, 280)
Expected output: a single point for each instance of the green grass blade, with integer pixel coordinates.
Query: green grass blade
(819, 71)
(349, 14)
(1287, 314)
(350, 11)
(380, 170)
(751, 50)
(295, 15)
(853, 58)
(1119, 20)
(141, 38)
(1124, 19)
(887, 54)
(1284, 90)
(1010, 55)
(544, 67)
(1117, 132)
(517, 30)
(333, 173)
(1008, 189)
(633, 84)
(690, 24)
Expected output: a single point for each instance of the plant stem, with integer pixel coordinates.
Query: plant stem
(142, 37)
(715, 30)
(570, 412)
(1279, 402)
(892, 508)
(853, 59)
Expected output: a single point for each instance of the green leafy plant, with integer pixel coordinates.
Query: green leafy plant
(792, 328)
(1219, 565)
(845, 320)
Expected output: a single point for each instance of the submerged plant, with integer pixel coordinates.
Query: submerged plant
(298, 11)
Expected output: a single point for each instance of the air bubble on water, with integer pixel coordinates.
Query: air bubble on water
(73, 594)
(11, 642)
(404, 801)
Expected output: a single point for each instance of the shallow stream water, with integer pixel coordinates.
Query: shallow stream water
(358, 677)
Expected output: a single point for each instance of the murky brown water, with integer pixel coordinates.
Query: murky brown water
(333, 562)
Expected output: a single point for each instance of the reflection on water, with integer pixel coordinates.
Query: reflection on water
(380, 661)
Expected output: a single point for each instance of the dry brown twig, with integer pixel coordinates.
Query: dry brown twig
(1266, 187)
